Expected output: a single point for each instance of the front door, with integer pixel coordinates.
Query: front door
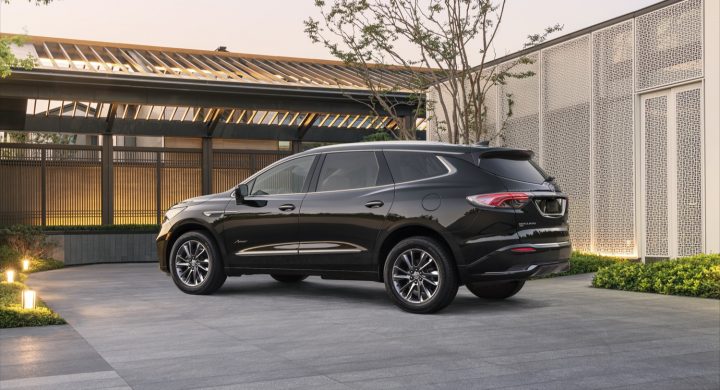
(262, 231)
(672, 172)
(340, 220)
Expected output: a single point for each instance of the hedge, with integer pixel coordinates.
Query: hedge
(695, 276)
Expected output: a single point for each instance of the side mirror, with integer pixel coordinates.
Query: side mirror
(240, 193)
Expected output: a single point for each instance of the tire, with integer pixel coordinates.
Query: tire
(289, 278)
(496, 290)
(204, 273)
(406, 262)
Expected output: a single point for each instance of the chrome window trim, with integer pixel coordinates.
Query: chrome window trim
(281, 161)
(562, 213)
(451, 170)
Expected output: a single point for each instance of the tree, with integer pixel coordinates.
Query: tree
(8, 60)
(446, 37)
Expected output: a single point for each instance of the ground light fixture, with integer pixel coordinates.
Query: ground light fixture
(10, 276)
(25, 264)
(28, 299)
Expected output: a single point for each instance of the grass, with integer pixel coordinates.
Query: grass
(12, 315)
(695, 276)
(584, 263)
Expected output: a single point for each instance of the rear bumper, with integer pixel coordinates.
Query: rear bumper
(506, 264)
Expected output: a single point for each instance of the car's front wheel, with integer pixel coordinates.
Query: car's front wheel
(496, 290)
(195, 264)
(289, 278)
(420, 276)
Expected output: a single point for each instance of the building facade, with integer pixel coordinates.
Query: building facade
(625, 115)
(112, 133)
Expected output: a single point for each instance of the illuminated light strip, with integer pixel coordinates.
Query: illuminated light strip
(294, 118)
(252, 116)
(230, 116)
(240, 117)
(322, 122)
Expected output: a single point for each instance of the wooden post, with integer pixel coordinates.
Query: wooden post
(107, 178)
(207, 163)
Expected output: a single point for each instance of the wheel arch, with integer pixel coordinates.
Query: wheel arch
(191, 226)
(392, 237)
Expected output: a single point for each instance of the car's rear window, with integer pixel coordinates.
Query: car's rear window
(515, 169)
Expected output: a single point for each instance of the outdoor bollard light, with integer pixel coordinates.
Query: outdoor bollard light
(28, 299)
(10, 276)
(25, 264)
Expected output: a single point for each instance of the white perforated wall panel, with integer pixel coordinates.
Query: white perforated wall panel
(613, 166)
(566, 129)
(689, 172)
(522, 128)
(670, 44)
(656, 186)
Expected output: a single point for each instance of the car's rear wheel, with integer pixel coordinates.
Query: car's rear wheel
(195, 264)
(496, 290)
(420, 276)
(289, 278)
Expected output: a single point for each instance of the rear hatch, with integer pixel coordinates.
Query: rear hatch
(544, 218)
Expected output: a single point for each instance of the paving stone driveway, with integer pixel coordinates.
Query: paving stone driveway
(129, 326)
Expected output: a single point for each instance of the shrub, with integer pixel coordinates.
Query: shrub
(12, 315)
(583, 263)
(28, 241)
(696, 276)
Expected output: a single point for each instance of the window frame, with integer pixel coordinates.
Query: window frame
(250, 181)
(384, 177)
(445, 163)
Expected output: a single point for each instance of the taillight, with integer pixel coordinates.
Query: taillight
(506, 200)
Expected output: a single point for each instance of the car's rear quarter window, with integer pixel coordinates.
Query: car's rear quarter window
(409, 166)
(514, 169)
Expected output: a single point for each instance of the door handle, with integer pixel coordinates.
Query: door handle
(374, 204)
(287, 207)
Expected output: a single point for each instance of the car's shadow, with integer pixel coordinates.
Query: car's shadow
(367, 293)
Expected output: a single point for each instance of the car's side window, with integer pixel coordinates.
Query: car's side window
(286, 178)
(409, 166)
(348, 170)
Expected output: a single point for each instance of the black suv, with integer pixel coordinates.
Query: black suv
(422, 217)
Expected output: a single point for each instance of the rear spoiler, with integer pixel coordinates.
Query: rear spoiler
(509, 154)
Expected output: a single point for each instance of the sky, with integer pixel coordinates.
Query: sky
(271, 27)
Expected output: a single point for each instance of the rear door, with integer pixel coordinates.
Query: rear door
(341, 219)
(544, 218)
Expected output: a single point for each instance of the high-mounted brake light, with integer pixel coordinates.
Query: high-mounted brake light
(506, 200)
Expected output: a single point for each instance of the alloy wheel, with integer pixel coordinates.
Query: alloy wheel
(192, 263)
(415, 275)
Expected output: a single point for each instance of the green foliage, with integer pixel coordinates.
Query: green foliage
(42, 138)
(12, 315)
(583, 263)
(696, 276)
(8, 59)
(441, 45)
(28, 241)
(378, 136)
